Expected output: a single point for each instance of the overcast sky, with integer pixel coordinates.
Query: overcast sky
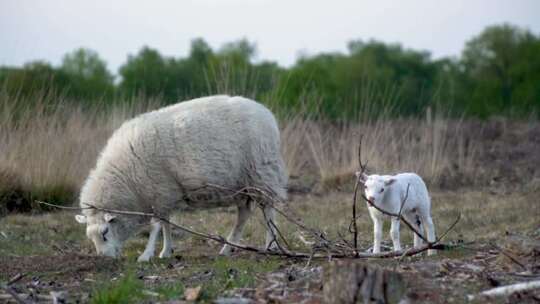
(282, 29)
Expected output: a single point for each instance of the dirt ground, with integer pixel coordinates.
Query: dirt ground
(52, 255)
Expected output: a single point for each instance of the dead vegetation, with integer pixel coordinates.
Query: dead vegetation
(487, 171)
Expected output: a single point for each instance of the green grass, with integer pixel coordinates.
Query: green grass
(230, 273)
(127, 289)
(24, 235)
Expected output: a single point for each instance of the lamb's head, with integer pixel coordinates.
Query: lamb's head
(376, 186)
(106, 231)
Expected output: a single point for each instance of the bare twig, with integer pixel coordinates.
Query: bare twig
(363, 167)
(403, 201)
(16, 296)
(12, 292)
(509, 256)
(289, 254)
(353, 221)
(449, 228)
(15, 279)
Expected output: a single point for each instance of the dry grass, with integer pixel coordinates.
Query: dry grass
(46, 153)
(49, 145)
(485, 217)
(431, 148)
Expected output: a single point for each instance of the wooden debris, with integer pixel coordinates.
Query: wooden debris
(507, 290)
(348, 281)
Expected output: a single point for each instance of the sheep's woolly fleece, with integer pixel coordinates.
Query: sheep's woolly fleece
(155, 159)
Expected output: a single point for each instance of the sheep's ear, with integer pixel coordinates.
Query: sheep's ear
(80, 218)
(362, 177)
(109, 217)
(389, 181)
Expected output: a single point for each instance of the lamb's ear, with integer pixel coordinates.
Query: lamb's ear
(389, 181)
(109, 217)
(362, 177)
(80, 218)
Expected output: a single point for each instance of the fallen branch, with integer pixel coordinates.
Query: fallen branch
(282, 252)
(507, 290)
(24, 297)
(19, 298)
(15, 279)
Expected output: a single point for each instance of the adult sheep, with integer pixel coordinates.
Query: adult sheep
(164, 160)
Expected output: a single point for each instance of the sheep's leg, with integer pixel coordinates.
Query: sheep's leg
(271, 234)
(394, 233)
(430, 231)
(377, 234)
(167, 250)
(151, 245)
(244, 211)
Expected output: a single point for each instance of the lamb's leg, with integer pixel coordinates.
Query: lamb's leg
(151, 245)
(430, 231)
(271, 234)
(414, 220)
(394, 233)
(244, 211)
(167, 241)
(377, 234)
(418, 240)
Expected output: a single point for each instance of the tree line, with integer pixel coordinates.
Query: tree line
(497, 73)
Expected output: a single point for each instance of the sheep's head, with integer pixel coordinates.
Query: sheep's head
(105, 231)
(376, 186)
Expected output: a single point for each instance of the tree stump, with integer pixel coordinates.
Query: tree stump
(347, 281)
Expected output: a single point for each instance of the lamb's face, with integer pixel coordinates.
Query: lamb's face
(376, 187)
(102, 230)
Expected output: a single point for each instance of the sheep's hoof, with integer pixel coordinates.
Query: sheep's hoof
(165, 254)
(144, 258)
(226, 250)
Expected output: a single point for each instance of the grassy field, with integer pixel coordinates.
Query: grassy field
(487, 171)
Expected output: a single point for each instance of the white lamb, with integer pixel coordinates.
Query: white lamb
(163, 161)
(388, 192)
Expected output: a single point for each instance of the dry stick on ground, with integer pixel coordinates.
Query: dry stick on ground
(284, 253)
(507, 290)
(12, 292)
(267, 196)
(264, 197)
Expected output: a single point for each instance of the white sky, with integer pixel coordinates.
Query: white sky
(47, 29)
